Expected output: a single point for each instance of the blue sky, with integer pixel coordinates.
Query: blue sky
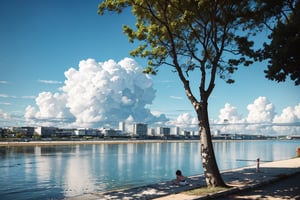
(41, 40)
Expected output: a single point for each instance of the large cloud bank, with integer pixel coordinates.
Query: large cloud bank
(261, 111)
(98, 93)
(262, 119)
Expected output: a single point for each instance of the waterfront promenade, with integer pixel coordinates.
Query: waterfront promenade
(239, 179)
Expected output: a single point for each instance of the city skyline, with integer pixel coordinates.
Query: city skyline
(57, 58)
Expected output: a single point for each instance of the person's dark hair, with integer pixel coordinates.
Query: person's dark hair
(178, 173)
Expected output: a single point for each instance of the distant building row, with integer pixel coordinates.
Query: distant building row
(137, 129)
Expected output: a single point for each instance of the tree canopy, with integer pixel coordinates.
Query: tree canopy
(195, 33)
(283, 50)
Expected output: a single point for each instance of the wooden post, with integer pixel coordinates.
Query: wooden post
(257, 165)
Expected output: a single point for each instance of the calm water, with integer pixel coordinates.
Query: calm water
(55, 172)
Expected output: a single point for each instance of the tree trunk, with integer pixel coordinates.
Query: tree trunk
(212, 174)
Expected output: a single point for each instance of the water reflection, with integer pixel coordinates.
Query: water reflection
(54, 172)
(77, 174)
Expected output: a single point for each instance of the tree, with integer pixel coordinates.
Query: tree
(283, 51)
(192, 37)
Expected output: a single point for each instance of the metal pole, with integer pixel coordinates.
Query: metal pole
(257, 165)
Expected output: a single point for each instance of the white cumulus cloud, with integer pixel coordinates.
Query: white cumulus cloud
(230, 114)
(49, 106)
(185, 120)
(261, 119)
(98, 93)
(288, 115)
(261, 111)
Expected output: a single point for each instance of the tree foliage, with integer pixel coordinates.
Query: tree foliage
(195, 33)
(283, 50)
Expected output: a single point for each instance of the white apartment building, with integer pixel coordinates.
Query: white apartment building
(122, 126)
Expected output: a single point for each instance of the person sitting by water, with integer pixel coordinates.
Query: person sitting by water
(180, 179)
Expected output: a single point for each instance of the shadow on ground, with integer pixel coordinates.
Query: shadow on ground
(155, 190)
(240, 180)
(284, 187)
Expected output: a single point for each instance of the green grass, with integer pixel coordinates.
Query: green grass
(205, 191)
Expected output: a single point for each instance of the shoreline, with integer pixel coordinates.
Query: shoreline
(54, 143)
(84, 142)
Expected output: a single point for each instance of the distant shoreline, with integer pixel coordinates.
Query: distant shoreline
(53, 143)
(56, 143)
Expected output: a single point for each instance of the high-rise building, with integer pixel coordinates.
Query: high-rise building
(151, 131)
(163, 131)
(122, 126)
(176, 130)
(140, 129)
(45, 131)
